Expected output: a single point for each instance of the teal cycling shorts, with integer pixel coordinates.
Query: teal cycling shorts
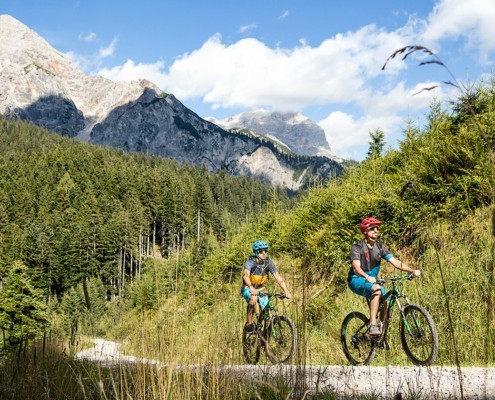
(360, 286)
(246, 293)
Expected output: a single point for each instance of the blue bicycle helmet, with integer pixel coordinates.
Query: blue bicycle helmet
(258, 245)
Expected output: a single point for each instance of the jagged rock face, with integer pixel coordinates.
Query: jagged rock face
(296, 131)
(160, 124)
(36, 80)
(42, 85)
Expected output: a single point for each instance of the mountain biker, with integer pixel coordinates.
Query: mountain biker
(365, 261)
(254, 276)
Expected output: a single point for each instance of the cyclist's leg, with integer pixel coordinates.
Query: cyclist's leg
(371, 291)
(251, 300)
(263, 300)
(374, 303)
(376, 293)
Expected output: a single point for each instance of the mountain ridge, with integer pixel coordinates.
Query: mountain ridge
(42, 85)
(294, 130)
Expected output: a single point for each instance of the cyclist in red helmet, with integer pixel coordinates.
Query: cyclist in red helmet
(366, 256)
(255, 275)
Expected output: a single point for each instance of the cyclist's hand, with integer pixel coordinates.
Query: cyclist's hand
(370, 279)
(417, 273)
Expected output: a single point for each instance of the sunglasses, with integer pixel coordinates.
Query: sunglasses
(263, 251)
(373, 228)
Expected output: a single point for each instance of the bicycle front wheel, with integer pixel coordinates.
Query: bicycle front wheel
(356, 341)
(250, 346)
(281, 340)
(418, 335)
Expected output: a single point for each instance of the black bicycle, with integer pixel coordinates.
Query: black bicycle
(275, 333)
(417, 330)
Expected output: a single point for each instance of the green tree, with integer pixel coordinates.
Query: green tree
(376, 144)
(23, 310)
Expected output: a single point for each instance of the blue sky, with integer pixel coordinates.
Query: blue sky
(320, 58)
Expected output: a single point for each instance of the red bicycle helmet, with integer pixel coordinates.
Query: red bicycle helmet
(368, 223)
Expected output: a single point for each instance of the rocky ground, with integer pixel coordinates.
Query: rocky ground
(438, 382)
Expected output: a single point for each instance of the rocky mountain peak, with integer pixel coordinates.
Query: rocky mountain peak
(30, 69)
(293, 129)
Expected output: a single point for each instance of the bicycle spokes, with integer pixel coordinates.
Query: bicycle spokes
(356, 341)
(419, 336)
(251, 346)
(281, 339)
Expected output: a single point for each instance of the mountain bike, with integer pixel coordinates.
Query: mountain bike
(418, 334)
(275, 333)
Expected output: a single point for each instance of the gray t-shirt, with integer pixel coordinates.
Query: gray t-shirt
(370, 258)
(259, 272)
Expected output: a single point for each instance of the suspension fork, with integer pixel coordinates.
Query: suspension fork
(404, 319)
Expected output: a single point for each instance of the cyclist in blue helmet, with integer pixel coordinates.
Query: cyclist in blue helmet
(255, 275)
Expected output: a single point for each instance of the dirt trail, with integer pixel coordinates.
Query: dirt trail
(439, 382)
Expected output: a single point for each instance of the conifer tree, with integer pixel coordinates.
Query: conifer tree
(23, 311)
(376, 144)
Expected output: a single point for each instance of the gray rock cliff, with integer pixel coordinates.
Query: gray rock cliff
(297, 132)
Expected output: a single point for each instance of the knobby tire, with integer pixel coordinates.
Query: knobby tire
(355, 338)
(251, 346)
(419, 338)
(281, 337)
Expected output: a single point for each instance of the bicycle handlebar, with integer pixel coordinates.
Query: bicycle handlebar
(408, 276)
(278, 295)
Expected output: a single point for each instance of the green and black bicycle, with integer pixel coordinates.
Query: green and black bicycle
(417, 330)
(275, 333)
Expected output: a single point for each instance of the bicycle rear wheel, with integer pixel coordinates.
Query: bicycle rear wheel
(251, 346)
(281, 340)
(356, 341)
(418, 335)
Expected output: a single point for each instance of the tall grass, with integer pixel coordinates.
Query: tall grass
(193, 346)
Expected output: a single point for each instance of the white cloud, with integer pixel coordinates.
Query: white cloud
(473, 19)
(284, 15)
(247, 28)
(89, 37)
(109, 50)
(132, 71)
(93, 62)
(250, 74)
(349, 137)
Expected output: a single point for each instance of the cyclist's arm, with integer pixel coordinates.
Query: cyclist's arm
(356, 266)
(402, 266)
(246, 277)
(281, 283)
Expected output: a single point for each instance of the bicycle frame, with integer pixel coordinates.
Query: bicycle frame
(393, 296)
(266, 315)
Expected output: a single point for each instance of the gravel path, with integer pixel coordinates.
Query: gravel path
(436, 382)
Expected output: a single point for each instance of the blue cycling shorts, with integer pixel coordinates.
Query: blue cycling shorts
(360, 286)
(246, 293)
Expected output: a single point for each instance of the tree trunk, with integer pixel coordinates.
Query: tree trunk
(86, 294)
